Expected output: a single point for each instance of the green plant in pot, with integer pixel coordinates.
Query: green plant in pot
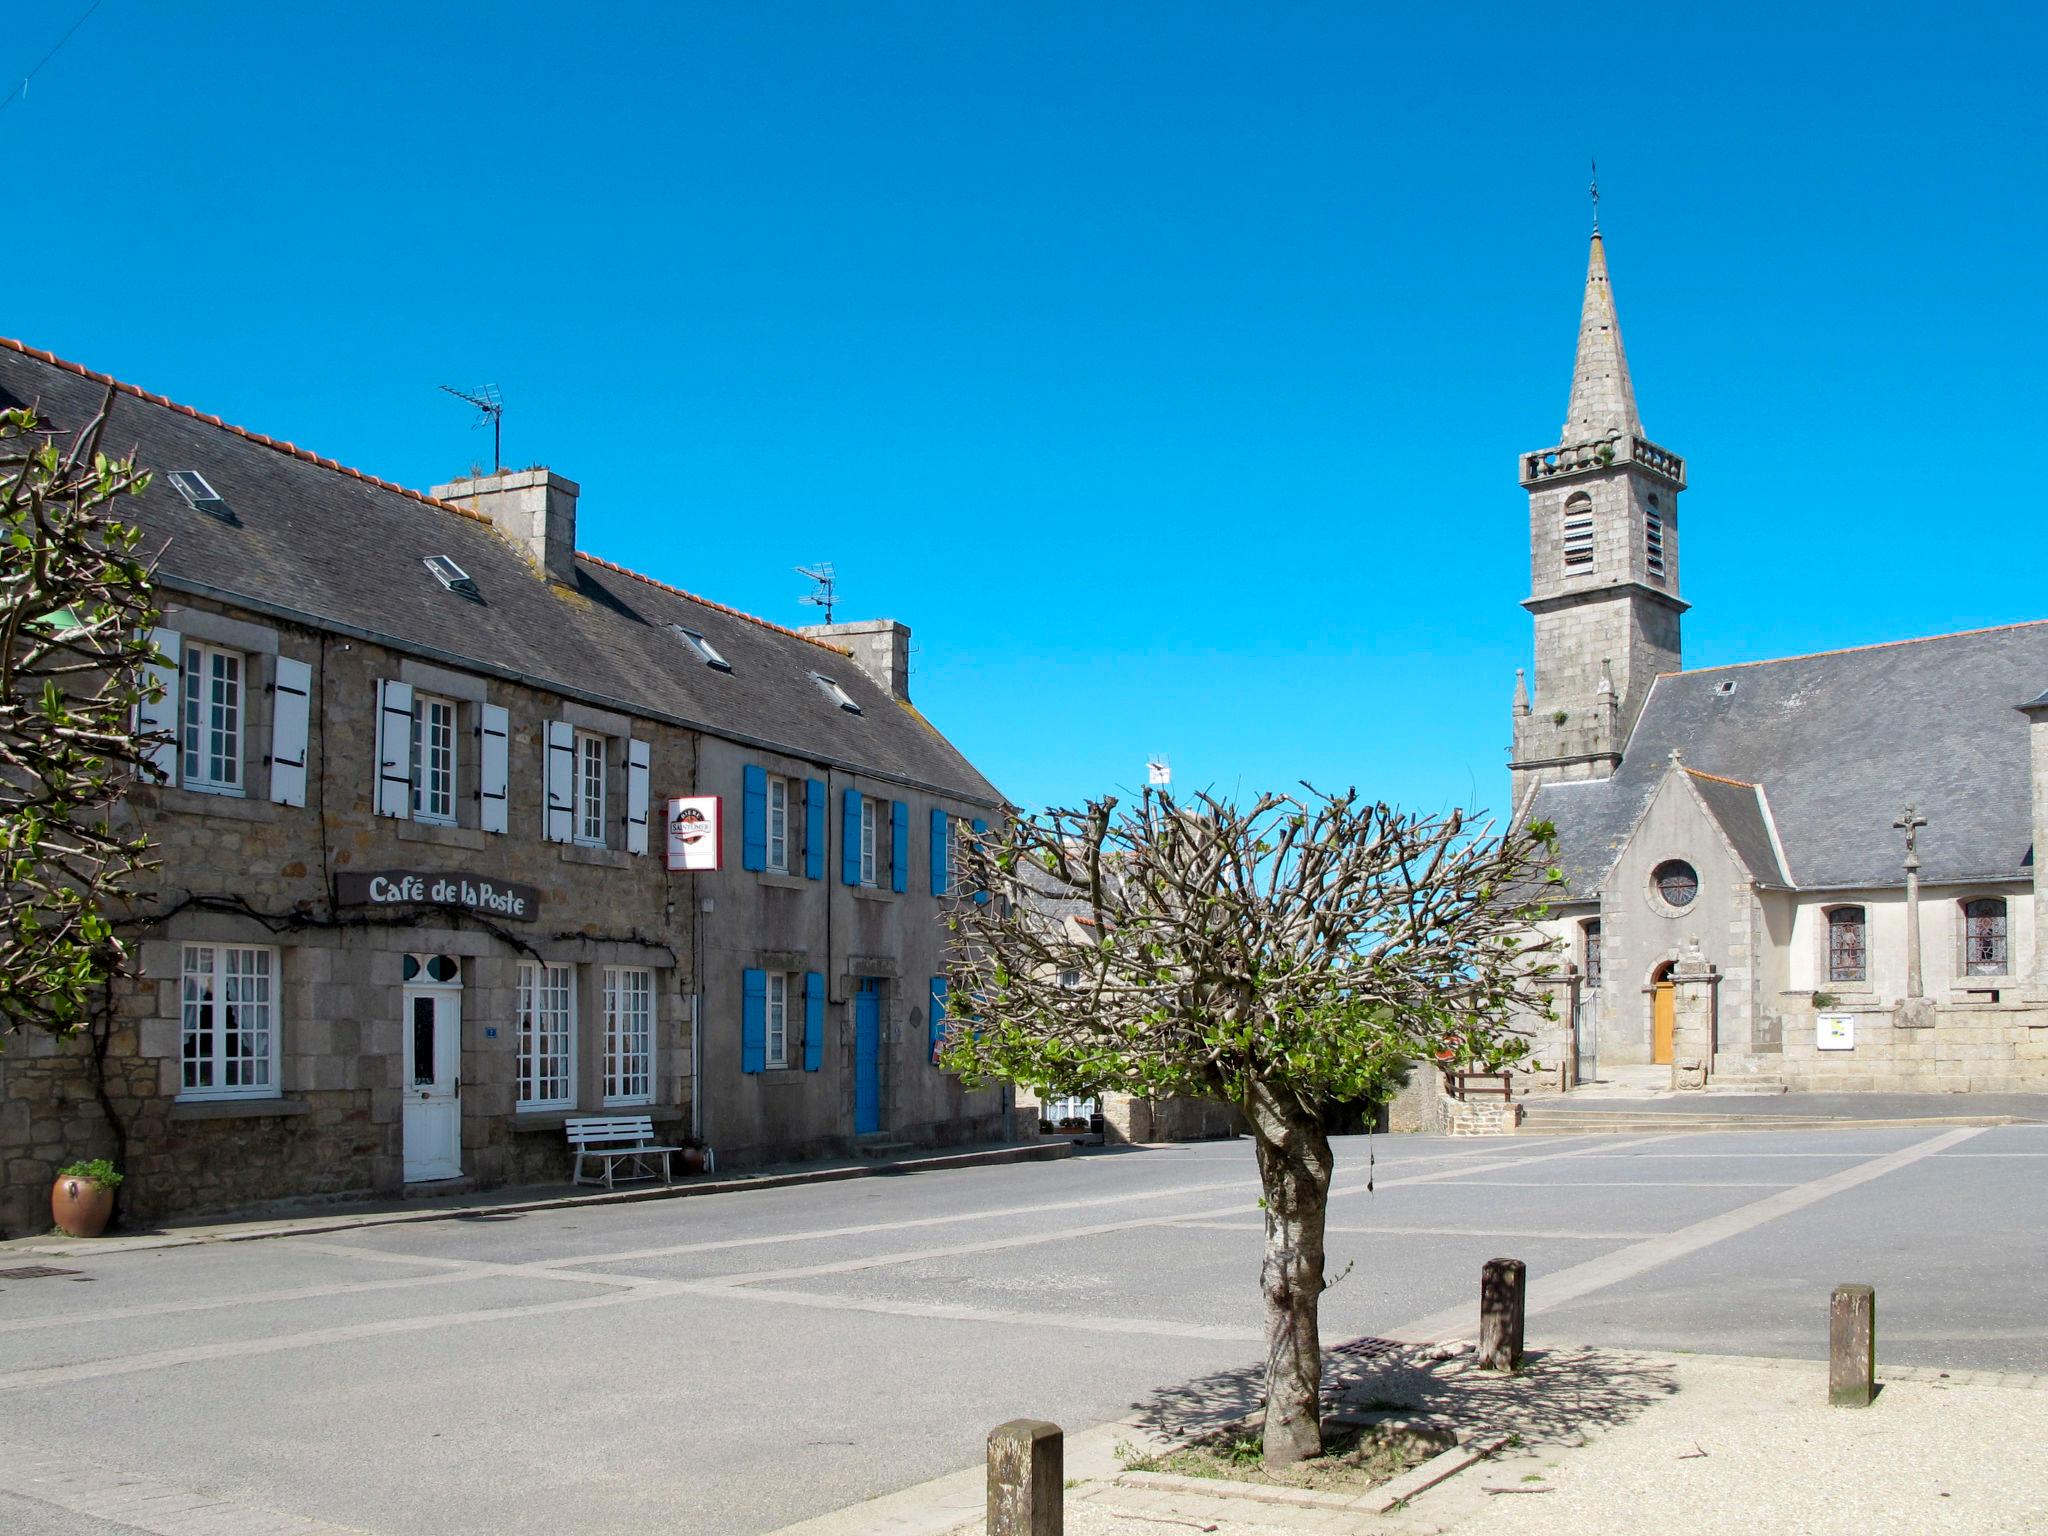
(82, 1199)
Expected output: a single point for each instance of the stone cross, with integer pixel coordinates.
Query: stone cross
(1911, 824)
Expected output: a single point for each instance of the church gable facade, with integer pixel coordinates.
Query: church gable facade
(1815, 871)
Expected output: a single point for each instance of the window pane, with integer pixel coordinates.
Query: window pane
(198, 1016)
(1984, 937)
(1847, 944)
(546, 1030)
(422, 1042)
(629, 1035)
(778, 824)
(590, 790)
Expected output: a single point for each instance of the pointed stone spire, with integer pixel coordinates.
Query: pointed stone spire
(1521, 692)
(1603, 400)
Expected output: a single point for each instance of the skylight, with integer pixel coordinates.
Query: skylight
(453, 577)
(704, 648)
(835, 693)
(200, 496)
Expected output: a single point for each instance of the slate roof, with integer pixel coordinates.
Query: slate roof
(1838, 745)
(311, 540)
(1739, 808)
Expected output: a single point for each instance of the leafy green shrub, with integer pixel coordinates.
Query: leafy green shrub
(98, 1169)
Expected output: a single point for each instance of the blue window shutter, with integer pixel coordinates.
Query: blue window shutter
(939, 871)
(814, 1021)
(754, 819)
(849, 837)
(814, 829)
(899, 845)
(980, 897)
(938, 1015)
(753, 1020)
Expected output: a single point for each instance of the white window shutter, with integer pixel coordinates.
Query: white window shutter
(158, 719)
(558, 803)
(394, 749)
(636, 796)
(494, 768)
(290, 715)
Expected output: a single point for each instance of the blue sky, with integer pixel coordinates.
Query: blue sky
(1163, 366)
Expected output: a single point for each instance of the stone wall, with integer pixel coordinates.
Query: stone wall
(241, 870)
(1998, 1048)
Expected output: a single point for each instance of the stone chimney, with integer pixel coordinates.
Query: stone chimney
(881, 648)
(534, 509)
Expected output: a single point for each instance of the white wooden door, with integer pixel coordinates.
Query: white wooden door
(432, 1033)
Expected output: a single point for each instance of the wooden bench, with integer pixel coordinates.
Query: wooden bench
(615, 1139)
(1468, 1085)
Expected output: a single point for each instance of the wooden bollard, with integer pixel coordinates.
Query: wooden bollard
(1503, 1290)
(1852, 1347)
(1026, 1479)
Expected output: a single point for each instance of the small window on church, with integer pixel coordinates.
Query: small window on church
(1578, 533)
(1653, 539)
(1847, 945)
(1984, 952)
(1676, 881)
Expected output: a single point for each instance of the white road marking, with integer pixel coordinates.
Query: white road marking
(629, 1288)
(1334, 1229)
(1614, 1184)
(1547, 1291)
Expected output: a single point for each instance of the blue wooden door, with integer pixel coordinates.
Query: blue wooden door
(867, 1057)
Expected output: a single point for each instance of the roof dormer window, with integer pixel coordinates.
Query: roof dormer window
(453, 577)
(835, 693)
(706, 651)
(199, 495)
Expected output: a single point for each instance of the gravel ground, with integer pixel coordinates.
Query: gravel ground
(1742, 1445)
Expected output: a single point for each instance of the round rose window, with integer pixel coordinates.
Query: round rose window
(1676, 881)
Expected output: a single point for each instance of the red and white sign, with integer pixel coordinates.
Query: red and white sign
(693, 832)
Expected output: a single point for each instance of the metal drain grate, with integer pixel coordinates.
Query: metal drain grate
(35, 1272)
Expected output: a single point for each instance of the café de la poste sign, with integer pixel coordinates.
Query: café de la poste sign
(414, 888)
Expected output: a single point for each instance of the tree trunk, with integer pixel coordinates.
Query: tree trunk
(1294, 1172)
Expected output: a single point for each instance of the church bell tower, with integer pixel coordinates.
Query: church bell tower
(1603, 565)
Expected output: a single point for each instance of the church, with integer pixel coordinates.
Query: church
(1814, 872)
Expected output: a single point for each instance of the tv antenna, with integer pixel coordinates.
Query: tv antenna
(826, 594)
(492, 404)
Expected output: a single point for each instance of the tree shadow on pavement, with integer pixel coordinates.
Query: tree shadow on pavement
(1558, 1395)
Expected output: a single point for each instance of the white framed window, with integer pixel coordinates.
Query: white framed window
(869, 872)
(211, 734)
(433, 759)
(1653, 539)
(778, 825)
(777, 1045)
(591, 752)
(547, 1036)
(628, 1035)
(228, 1019)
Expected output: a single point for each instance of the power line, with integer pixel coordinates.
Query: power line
(21, 90)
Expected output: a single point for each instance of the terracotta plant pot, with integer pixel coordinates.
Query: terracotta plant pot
(692, 1159)
(81, 1206)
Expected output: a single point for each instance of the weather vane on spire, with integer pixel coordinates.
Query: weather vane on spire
(1595, 190)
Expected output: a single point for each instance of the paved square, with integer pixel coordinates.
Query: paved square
(735, 1363)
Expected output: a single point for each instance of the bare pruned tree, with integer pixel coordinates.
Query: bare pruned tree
(1282, 956)
(75, 654)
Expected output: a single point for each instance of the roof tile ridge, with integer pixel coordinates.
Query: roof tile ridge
(712, 603)
(1850, 650)
(262, 439)
(1701, 773)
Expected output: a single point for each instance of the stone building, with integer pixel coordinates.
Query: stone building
(416, 907)
(1735, 840)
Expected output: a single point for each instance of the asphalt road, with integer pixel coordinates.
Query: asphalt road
(731, 1364)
